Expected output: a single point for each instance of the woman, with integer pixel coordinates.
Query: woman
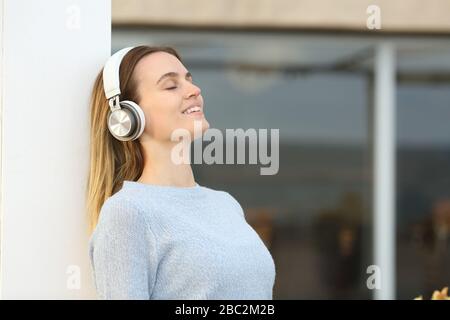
(157, 233)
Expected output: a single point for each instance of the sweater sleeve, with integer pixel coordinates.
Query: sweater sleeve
(123, 253)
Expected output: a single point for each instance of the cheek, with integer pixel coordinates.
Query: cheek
(163, 116)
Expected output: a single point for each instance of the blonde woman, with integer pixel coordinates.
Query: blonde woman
(157, 233)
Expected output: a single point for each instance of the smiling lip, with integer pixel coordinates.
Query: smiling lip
(195, 112)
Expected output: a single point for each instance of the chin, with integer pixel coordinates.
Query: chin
(198, 127)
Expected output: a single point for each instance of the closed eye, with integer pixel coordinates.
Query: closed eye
(171, 88)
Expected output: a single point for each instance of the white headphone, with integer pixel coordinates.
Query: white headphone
(126, 120)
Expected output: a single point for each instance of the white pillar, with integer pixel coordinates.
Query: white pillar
(50, 52)
(384, 170)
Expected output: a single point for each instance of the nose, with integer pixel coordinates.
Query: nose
(194, 91)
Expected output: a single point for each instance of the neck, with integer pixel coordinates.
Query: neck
(159, 169)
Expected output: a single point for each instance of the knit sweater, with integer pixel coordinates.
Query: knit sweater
(167, 242)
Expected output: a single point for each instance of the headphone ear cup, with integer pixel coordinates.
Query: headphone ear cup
(128, 122)
(138, 116)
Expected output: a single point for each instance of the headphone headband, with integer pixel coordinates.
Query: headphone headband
(111, 80)
(126, 120)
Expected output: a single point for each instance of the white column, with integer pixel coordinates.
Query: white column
(51, 52)
(384, 170)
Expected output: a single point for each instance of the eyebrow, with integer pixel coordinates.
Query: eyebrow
(173, 75)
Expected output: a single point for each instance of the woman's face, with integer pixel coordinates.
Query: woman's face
(166, 90)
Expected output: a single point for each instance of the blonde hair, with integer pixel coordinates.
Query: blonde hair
(113, 161)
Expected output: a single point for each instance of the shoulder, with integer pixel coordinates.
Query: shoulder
(235, 203)
(121, 215)
(129, 202)
(230, 199)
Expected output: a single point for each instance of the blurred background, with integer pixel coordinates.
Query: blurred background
(309, 68)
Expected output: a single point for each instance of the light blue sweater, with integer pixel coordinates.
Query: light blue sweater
(165, 242)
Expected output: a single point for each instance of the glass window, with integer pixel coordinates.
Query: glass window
(423, 170)
(314, 215)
